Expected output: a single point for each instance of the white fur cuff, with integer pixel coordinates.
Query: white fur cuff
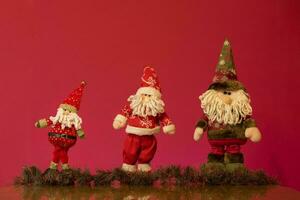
(148, 90)
(128, 168)
(144, 167)
(142, 131)
(169, 129)
(121, 118)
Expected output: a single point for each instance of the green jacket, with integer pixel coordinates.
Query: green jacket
(222, 131)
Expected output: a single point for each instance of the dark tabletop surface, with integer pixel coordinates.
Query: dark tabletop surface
(150, 193)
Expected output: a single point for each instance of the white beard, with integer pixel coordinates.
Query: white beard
(217, 110)
(153, 107)
(67, 120)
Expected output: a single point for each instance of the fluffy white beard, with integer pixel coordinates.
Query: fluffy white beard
(67, 120)
(217, 110)
(153, 107)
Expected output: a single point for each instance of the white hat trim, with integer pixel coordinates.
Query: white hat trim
(148, 90)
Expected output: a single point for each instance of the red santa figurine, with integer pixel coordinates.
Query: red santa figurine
(65, 127)
(144, 114)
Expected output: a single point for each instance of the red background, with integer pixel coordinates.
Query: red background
(47, 47)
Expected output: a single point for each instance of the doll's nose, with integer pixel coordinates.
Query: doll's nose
(66, 112)
(145, 98)
(227, 100)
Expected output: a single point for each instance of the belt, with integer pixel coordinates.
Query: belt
(71, 137)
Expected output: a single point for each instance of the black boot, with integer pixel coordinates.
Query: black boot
(234, 162)
(234, 158)
(215, 158)
(214, 170)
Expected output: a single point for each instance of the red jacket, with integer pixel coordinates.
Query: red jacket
(61, 141)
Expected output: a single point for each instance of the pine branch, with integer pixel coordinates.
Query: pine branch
(208, 174)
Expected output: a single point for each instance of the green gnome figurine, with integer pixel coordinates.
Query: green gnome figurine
(227, 114)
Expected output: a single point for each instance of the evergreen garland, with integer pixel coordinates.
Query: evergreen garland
(211, 174)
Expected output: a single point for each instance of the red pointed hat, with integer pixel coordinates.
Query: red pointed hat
(150, 83)
(72, 102)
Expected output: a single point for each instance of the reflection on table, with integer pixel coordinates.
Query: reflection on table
(150, 193)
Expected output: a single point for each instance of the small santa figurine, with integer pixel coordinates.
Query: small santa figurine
(65, 127)
(144, 113)
(227, 113)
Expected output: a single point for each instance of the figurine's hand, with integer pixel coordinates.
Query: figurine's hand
(169, 129)
(42, 123)
(253, 134)
(80, 133)
(118, 124)
(119, 121)
(198, 134)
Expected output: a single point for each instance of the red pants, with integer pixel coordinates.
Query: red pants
(60, 154)
(139, 149)
(230, 145)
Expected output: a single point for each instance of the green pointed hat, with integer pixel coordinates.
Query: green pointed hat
(225, 76)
